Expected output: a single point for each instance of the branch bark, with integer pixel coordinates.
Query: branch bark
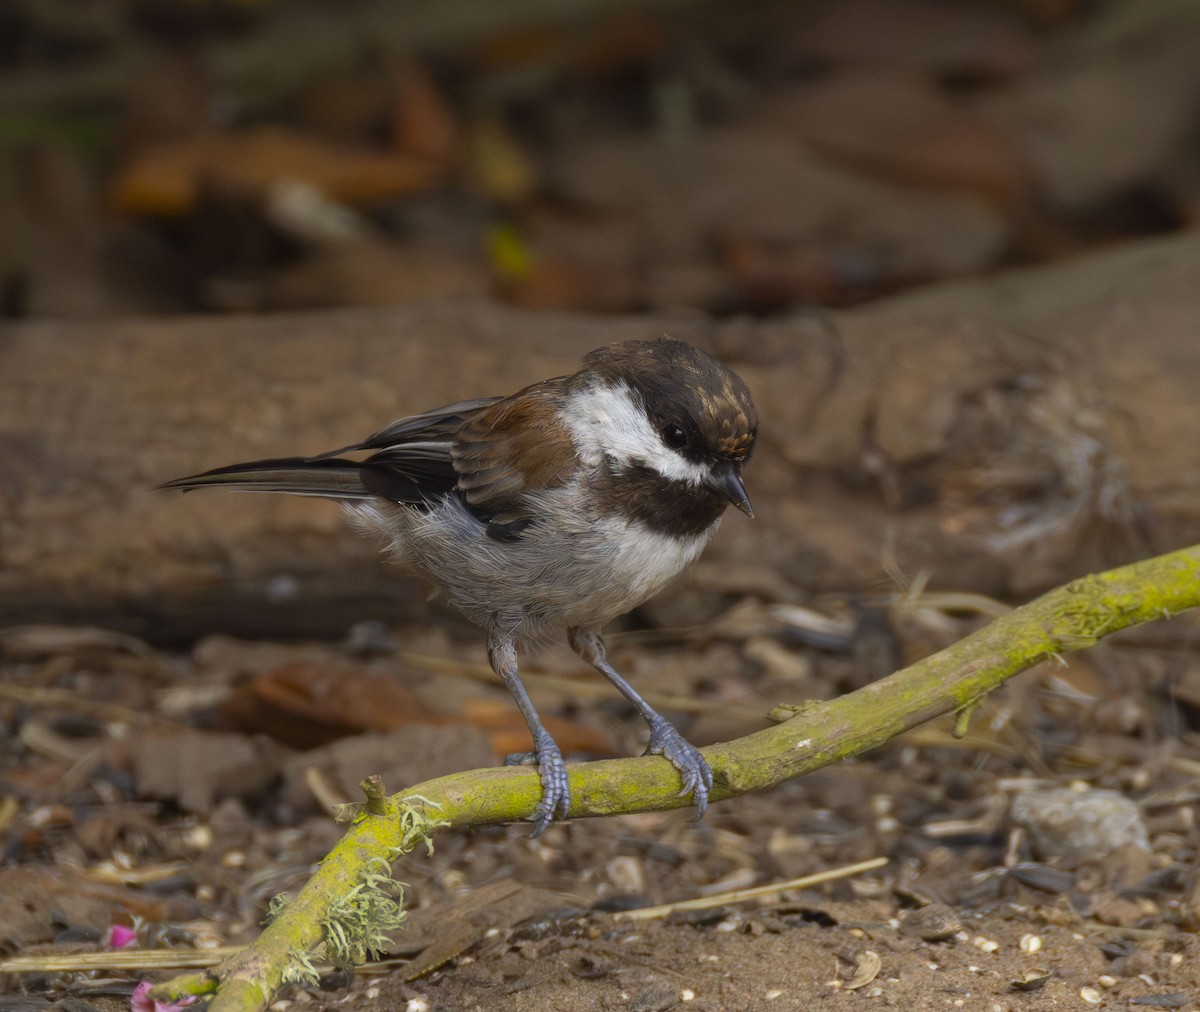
(808, 737)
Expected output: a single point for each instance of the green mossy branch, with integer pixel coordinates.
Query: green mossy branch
(817, 734)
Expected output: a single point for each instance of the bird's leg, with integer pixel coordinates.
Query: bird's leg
(665, 740)
(556, 793)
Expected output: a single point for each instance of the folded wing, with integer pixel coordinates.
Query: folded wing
(412, 464)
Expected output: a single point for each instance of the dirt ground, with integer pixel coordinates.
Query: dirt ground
(1015, 852)
(951, 246)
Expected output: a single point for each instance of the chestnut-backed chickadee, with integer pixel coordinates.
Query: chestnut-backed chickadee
(561, 506)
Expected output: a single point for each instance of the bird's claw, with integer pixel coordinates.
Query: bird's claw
(685, 757)
(552, 771)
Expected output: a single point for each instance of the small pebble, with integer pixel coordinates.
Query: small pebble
(1030, 943)
(1073, 824)
(1091, 995)
(626, 874)
(198, 837)
(1106, 980)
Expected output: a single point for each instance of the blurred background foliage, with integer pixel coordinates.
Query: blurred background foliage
(166, 156)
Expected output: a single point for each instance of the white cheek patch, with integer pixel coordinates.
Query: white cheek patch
(609, 421)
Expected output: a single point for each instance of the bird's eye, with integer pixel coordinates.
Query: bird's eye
(674, 437)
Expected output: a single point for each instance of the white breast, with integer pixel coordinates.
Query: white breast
(639, 563)
(573, 570)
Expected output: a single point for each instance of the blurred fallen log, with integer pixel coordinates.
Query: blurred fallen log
(996, 435)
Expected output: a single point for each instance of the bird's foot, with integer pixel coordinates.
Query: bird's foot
(552, 771)
(685, 757)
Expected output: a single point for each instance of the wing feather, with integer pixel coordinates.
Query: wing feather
(412, 464)
(515, 447)
(495, 451)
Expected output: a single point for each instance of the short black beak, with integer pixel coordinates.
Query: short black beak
(727, 479)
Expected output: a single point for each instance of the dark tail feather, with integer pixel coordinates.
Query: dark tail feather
(328, 478)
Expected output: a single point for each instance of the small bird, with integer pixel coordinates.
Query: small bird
(561, 506)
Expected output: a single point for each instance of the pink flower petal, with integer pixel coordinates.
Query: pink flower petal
(121, 937)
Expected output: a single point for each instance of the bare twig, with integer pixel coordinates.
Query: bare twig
(62, 699)
(741, 895)
(131, 958)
